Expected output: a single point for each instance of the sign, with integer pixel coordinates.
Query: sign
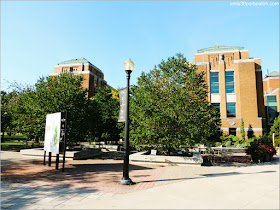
(52, 132)
(123, 101)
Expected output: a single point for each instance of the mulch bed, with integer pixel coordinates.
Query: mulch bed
(231, 159)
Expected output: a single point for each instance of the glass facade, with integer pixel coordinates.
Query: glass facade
(214, 82)
(271, 108)
(231, 110)
(229, 81)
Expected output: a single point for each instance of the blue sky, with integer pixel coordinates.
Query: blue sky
(37, 35)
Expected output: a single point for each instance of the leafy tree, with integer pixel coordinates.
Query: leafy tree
(242, 130)
(169, 107)
(107, 109)
(9, 102)
(6, 116)
(50, 95)
(275, 129)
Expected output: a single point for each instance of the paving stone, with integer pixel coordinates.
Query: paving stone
(6, 205)
(106, 195)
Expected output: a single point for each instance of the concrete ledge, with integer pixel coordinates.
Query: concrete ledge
(142, 157)
(75, 155)
(100, 145)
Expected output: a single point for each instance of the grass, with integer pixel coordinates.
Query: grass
(18, 137)
(17, 141)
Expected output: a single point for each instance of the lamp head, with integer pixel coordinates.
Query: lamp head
(128, 65)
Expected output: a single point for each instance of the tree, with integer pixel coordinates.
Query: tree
(275, 129)
(169, 107)
(242, 130)
(50, 95)
(107, 109)
(6, 117)
(9, 102)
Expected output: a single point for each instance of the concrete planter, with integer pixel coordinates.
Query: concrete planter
(75, 155)
(143, 158)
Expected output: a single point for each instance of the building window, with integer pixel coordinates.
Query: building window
(232, 131)
(229, 82)
(271, 108)
(231, 110)
(214, 82)
(216, 106)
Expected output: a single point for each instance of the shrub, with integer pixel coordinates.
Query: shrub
(228, 143)
(225, 138)
(260, 149)
(217, 144)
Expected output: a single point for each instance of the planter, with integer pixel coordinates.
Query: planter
(144, 158)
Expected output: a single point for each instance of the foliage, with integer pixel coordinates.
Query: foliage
(229, 138)
(260, 148)
(169, 107)
(242, 130)
(50, 95)
(228, 143)
(218, 144)
(275, 129)
(106, 105)
(8, 102)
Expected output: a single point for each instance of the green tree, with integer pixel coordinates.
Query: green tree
(242, 130)
(50, 95)
(9, 102)
(169, 107)
(107, 109)
(6, 116)
(275, 129)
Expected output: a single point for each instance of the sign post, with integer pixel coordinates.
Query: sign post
(64, 124)
(55, 128)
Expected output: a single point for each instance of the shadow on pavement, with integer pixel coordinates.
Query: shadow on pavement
(208, 175)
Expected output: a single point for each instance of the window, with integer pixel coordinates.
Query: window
(232, 131)
(229, 82)
(231, 110)
(271, 108)
(214, 82)
(216, 106)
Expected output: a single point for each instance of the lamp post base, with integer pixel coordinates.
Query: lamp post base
(128, 181)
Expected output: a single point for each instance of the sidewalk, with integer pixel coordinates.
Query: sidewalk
(93, 184)
(252, 187)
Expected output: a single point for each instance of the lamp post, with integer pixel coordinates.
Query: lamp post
(125, 180)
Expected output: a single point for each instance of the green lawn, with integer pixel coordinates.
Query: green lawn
(14, 141)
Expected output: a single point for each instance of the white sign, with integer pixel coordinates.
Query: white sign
(52, 132)
(123, 98)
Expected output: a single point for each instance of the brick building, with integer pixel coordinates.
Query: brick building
(271, 88)
(235, 88)
(94, 77)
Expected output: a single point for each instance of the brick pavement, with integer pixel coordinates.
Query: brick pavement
(28, 184)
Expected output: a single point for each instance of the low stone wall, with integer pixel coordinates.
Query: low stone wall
(100, 145)
(143, 158)
(75, 155)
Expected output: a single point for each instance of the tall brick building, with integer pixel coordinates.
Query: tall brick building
(94, 77)
(271, 88)
(235, 88)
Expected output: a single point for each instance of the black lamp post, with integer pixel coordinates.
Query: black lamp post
(125, 180)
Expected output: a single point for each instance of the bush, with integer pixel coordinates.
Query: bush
(239, 145)
(225, 138)
(260, 149)
(217, 144)
(228, 143)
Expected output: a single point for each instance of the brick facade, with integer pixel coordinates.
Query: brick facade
(239, 90)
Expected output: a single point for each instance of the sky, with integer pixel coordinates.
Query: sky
(37, 35)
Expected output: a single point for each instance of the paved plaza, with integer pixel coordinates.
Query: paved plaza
(93, 184)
